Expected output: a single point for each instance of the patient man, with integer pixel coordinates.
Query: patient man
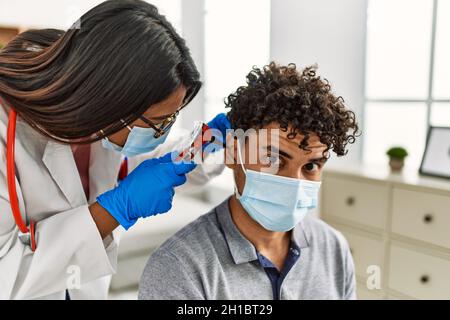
(260, 243)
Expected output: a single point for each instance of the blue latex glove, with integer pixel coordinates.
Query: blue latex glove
(221, 123)
(148, 190)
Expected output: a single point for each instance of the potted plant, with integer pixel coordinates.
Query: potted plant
(397, 157)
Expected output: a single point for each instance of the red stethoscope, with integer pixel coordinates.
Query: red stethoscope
(27, 233)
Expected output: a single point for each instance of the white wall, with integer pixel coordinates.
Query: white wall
(192, 13)
(43, 13)
(330, 33)
(63, 13)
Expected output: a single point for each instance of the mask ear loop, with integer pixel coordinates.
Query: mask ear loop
(236, 191)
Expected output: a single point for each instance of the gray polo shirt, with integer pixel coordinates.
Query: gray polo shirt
(210, 259)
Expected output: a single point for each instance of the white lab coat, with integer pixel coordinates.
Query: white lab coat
(68, 242)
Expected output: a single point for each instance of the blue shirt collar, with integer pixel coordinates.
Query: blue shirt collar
(240, 248)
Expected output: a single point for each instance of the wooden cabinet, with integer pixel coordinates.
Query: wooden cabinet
(360, 202)
(419, 275)
(421, 215)
(366, 249)
(397, 223)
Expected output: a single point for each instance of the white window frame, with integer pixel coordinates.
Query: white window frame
(429, 100)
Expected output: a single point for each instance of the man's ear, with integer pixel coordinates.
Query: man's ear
(230, 153)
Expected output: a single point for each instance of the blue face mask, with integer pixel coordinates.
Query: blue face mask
(275, 202)
(139, 141)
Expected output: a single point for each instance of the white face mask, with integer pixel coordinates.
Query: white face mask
(139, 141)
(277, 203)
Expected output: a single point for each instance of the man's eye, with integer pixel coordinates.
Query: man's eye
(311, 167)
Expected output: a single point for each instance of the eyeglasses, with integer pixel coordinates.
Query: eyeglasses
(163, 127)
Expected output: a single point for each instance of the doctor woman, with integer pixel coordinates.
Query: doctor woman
(72, 105)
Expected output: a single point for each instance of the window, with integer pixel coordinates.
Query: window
(441, 79)
(407, 76)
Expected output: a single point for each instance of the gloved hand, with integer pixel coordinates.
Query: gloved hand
(220, 123)
(148, 190)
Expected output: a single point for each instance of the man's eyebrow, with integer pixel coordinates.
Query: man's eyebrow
(270, 148)
(280, 152)
(322, 159)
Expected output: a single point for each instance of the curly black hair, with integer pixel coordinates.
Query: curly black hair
(300, 101)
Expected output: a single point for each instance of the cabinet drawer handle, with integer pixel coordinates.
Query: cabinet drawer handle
(350, 201)
(424, 279)
(428, 218)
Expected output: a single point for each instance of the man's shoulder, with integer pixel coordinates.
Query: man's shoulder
(172, 270)
(198, 236)
(319, 232)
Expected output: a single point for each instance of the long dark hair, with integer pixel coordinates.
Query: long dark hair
(120, 58)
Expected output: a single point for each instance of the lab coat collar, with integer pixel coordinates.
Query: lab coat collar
(104, 166)
(59, 160)
(240, 248)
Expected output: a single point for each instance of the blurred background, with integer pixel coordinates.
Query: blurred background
(389, 60)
